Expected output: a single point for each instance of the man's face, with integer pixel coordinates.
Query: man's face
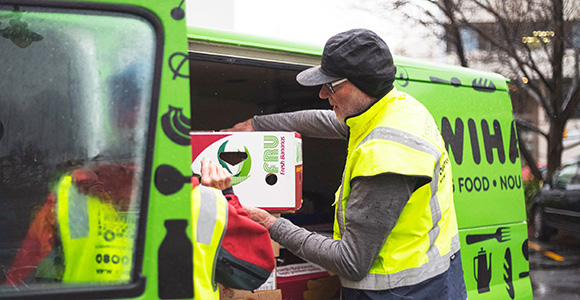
(347, 100)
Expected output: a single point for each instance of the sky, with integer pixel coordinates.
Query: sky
(312, 21)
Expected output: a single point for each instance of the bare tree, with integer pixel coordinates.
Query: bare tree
(430, 16)
(529, 41)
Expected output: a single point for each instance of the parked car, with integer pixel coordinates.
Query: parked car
(557, 205)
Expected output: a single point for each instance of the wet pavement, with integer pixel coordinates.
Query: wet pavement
(555, 267)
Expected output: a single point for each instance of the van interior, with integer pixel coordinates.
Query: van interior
(226, 90)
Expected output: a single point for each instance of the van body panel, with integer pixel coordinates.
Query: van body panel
(472, 109)
(480, 136)
(503, 250)
(207, 79)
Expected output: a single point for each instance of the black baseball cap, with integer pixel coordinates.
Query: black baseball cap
(359, 55)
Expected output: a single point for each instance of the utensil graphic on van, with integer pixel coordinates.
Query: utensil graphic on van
(169, 180)
(178, 13)
(508, 277)
(403, 78)
(502, 234)
(482, 85)
(482, 271)
(525, 251)
(456, 82)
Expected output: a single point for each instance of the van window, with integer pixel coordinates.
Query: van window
(75, 95)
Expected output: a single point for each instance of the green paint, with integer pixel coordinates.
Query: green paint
(221, 149)
(246, 165)
(482, 146)
(473, 117)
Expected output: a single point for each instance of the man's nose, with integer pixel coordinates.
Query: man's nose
(324, 92)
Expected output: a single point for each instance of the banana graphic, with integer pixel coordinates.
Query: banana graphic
(185, 121)
(176, 126)
(178, 122)
(508, 277)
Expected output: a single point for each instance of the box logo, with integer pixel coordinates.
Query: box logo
(243, 171)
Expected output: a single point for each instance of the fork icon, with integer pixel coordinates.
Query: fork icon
(502, 234)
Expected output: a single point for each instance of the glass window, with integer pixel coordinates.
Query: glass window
(75, 94)
(469, 38)
(575, 181)
(576, 35)
(564, 177)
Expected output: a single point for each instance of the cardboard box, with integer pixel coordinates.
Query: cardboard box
(307, 281)
(275, 248)
(270, 283)
(266, 167)
(233, 294)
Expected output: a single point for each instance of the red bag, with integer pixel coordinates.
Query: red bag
(246, 258)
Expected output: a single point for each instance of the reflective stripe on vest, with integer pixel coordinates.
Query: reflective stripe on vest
(403, 138)
(209, 219)
(97, 240)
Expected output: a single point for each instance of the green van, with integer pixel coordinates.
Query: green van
(115, 86)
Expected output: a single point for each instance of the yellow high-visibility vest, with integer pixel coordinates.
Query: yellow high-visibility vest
(398, 135)
(97, 239)
(209, 219)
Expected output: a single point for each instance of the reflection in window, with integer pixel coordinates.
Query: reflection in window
(575, 181)
(565, 176)
(75, 95)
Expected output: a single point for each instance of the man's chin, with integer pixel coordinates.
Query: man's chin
(338, 116)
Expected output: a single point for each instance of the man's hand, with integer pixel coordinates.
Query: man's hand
(261, 217)
(242, 126)
(214, 176)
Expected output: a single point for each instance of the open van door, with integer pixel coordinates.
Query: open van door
(91, 148)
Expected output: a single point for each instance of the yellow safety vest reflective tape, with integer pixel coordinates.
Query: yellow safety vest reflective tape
(209, 213)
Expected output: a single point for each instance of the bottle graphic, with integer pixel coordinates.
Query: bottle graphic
(175, 262)
(482, 271)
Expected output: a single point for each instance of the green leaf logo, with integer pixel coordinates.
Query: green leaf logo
(244, 168)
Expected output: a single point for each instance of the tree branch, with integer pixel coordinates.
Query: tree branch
(530, 126)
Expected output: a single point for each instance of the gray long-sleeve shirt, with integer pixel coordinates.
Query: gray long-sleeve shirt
(373, 208)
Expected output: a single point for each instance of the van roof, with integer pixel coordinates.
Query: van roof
(421, 70)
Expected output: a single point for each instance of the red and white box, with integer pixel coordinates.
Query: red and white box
(266, 167)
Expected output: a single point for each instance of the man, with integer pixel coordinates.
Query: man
(63, 247)
(395, 230)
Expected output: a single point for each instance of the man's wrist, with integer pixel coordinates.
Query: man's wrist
(269, 221)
